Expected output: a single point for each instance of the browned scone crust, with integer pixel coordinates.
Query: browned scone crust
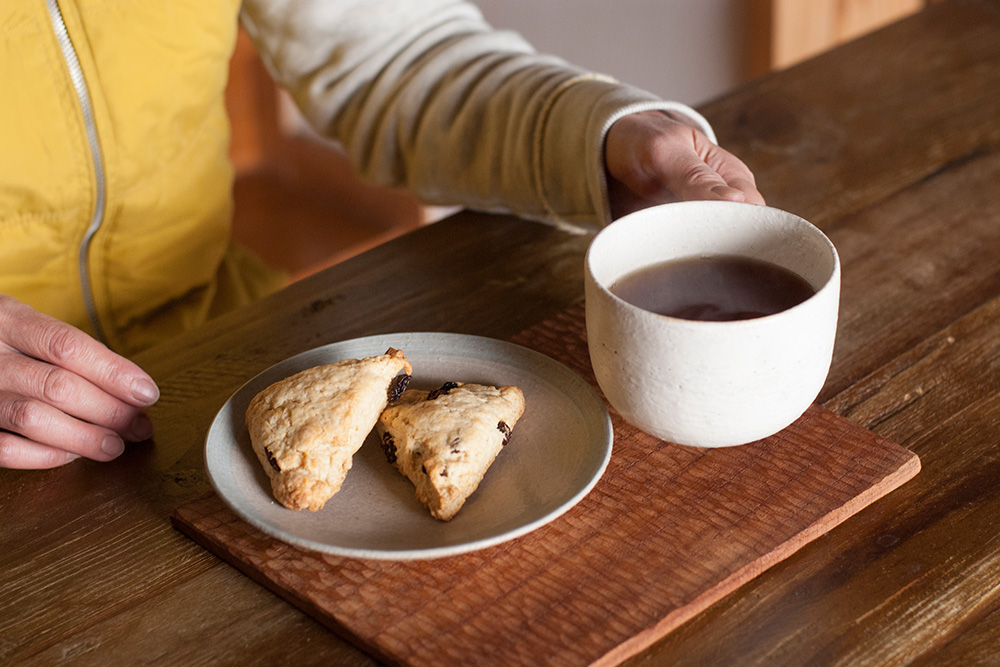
(445, 440)
(306, 428)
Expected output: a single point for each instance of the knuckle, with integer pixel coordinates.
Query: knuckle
(115, 416)
(698, 172)
(56, 385)
(61, 343)
(114, 373)
(23, 414)
(700, 176)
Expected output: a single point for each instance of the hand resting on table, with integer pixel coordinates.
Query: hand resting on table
(63, 394)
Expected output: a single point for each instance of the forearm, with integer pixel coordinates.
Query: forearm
(424, 94)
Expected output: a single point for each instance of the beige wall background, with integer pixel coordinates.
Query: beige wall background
(685, 50)
(691, 50)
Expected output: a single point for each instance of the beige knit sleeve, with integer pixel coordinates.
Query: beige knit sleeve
(424, 94)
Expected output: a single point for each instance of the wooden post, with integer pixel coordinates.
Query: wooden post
(784, 32)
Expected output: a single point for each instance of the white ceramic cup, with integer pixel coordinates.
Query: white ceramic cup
(711, 384)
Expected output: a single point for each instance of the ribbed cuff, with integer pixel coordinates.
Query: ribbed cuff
(569, 149)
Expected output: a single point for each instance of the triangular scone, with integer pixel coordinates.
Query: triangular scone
(306, 428)
(446, 439)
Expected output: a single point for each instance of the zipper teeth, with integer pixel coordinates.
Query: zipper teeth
(83, 96)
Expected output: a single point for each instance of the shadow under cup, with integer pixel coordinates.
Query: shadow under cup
(711, 384)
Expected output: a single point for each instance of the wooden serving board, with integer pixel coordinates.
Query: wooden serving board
(666, 532)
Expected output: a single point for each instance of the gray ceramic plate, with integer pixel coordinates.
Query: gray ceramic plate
(558, 451)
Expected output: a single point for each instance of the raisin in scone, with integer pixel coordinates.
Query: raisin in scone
(445, 440)
(306, 428)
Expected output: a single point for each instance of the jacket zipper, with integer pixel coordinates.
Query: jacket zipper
(100, 177)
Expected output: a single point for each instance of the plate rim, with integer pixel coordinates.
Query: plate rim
(605, 435)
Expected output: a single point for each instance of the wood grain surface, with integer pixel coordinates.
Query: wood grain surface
(891, 144)
(666, 532)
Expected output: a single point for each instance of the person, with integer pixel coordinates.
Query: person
(115, 188)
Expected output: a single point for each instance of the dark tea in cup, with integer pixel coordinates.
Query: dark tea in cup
(713, 288)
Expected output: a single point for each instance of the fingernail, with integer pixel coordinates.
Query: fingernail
(145, 391)
(112, 445)
(141, 428)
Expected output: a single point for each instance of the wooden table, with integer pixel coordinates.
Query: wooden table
(890, 144)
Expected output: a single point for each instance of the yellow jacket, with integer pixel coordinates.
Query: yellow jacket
(115, 187)
(114, 181)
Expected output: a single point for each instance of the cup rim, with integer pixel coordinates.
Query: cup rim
(832, 281)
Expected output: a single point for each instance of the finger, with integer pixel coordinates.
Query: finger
(701, 182)
(728, 193)
(73, 395)
(734, 172)
(691, 179)
(44, 424)
(750, 192)
(48, 339)
(23, 454)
